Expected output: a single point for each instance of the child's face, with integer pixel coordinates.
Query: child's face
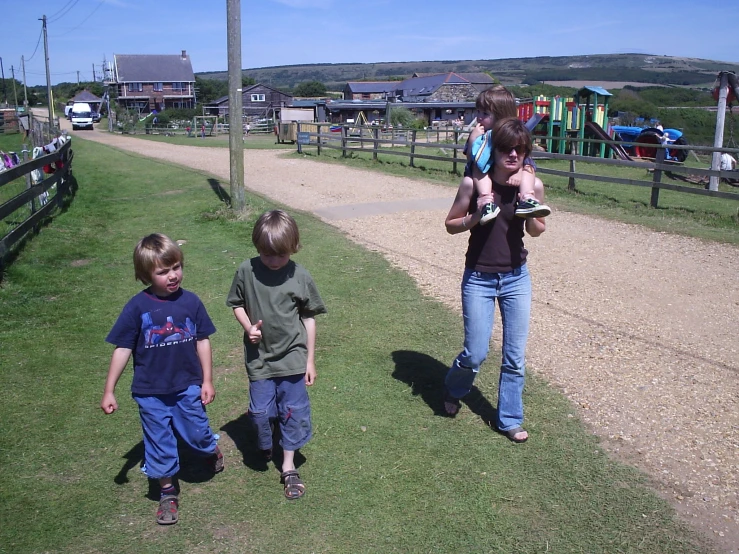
(487, 120)
(166, 280)
(274, 261)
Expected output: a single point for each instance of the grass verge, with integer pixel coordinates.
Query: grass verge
(385, 471)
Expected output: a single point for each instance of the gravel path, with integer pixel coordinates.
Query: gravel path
(618, 323)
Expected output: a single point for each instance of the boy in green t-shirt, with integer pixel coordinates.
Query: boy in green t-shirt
(275, 301)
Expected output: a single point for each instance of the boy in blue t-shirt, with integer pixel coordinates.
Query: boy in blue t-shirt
(166, 328)
(275, 300)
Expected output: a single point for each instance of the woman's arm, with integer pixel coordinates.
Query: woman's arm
(535, 226)
(459, 220)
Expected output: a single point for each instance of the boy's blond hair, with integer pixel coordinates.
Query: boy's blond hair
(497, 101)
(512, 133)
(276, 234)
(152, 251)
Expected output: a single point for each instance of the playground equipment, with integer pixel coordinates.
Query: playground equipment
(205, 125)
(586, 117)
(580, 117)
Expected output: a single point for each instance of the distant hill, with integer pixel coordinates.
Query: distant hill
(596, 69)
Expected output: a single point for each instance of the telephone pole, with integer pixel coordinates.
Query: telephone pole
(25, 89)
(235, 105)
(48, 78)
(15, 94)
(2, 73)
(93, 73)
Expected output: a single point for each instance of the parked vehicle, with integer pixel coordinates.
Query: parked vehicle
(95, 117)
(81, 116)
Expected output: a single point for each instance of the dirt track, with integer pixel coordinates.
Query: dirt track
(637, 328)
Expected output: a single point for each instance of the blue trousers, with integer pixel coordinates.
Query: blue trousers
(479, 294)
(282, 399)
(162, 415)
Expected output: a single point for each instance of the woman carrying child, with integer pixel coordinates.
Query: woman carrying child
(495, 269)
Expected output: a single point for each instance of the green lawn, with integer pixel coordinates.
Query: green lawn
(386, 471)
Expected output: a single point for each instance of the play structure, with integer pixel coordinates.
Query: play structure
(585, 116)
(205, 126)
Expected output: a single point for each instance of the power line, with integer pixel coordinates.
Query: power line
(40, 34)
(74, 2)
(81, 22)
(61, 10)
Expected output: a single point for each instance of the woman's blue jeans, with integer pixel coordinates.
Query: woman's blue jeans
(479, 294)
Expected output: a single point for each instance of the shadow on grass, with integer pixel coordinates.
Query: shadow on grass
(425, 375)
(193, 468)
(244, 436)
(223, 196)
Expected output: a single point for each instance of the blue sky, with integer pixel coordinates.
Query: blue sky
(283, 32)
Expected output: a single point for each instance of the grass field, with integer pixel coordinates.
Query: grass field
(385, 471)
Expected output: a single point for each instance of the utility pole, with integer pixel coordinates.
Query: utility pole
(718, 139)
(78, 77)
(25, 89)
(235, 105)
(15, 94)
(2, 72)
(48, 78)
(93, 73)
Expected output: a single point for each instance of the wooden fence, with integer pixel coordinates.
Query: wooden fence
(350, 138)
(25, 205)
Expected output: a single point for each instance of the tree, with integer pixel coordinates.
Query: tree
(247, 81)
(310, 88)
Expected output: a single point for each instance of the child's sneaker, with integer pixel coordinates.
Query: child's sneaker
(215, 461)
(532, 208)
(489, 212)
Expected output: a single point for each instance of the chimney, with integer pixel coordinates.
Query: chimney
(184, 54)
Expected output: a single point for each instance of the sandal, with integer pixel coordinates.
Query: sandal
(167, 514)
(511, 434)
(451, 404)
(294, 486)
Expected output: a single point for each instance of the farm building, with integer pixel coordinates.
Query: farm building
(257, 101)
(369, 90)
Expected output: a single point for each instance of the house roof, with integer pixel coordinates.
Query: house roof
(372, 86)
(247, 90)
(424, 86)
(152, 68)
(86, 96)
(261, 86)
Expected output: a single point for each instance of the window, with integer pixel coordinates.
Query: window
(158, 87)
(257, 97)
(366, 96)
(135, 87)
(178, 86)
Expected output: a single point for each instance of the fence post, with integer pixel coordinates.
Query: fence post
(657, 177)
(413, 145)
(344, 131)
(571, 181)
(318, 127)
(454, 152)
(376, 136)
(300, 146)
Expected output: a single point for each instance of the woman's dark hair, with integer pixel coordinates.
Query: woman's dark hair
(511, 133)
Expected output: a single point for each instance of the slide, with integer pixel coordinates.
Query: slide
(536, 119)
(600, 134)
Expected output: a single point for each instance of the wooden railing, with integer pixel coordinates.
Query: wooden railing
(374, 140)
(23, 211)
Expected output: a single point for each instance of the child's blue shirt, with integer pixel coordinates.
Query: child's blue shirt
(482, 153)
(162, 334)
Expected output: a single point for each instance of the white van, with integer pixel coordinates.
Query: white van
(81, 116)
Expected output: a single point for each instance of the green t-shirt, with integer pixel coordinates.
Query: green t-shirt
(280, 299)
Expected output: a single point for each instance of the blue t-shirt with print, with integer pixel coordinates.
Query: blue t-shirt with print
(163, 335)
